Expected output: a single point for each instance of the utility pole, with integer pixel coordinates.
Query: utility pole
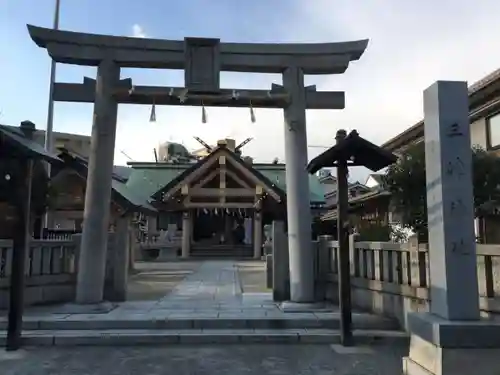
(49, 138)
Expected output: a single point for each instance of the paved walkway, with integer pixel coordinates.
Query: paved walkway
(207, 306)
(212, 284)
(212, 291)
(153, 280)
(259, 359)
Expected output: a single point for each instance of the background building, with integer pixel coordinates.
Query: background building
(77, 143)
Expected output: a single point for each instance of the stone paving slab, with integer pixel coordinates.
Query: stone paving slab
(95, 309)
(153, 280)
(293, 307)
(199, 336)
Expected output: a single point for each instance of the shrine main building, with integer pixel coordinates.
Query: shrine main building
(218, 199)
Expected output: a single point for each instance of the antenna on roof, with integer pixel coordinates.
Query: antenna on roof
(204, 144)
(128, 157)
(156, 155)
(317, 146)
(244, 143)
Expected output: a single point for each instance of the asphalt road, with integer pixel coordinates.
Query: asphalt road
(203, 360)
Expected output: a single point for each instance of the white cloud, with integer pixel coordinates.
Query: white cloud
(412, 44)
(138, 31)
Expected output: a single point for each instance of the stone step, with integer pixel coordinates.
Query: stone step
(222, 254)
(222, 250)
(202, 321)
(205, 257)
(412, 368)
(197, 336)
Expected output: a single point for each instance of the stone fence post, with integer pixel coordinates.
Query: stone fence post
(77, 240)
(280, 263)
(354, 255)
(269, 270)
(120, 259)
(322, 266)
(418, 267)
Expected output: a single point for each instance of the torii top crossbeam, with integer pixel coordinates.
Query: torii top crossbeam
(202, 60)
(89, 49)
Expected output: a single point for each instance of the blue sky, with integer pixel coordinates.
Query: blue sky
(411, 45)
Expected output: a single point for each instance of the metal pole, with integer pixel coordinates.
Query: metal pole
(49, 141)
(19, 253)
(344, 277)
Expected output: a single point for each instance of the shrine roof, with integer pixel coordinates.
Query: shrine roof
(121, 194)
(148, 178)
(15, 137)
(122, 171)
(271, 186)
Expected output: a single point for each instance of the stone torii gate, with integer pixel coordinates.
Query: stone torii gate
(202, 60)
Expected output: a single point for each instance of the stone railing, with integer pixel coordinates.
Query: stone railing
(58, 234)
(157, 247)
(392, 279)
(387, 278)
(50, 271)
(52, 266)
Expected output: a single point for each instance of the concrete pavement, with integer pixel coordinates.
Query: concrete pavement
(205, 360)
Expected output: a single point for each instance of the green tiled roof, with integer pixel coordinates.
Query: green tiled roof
(122, 171)
(277, 174)
(138, 202)
(147, 178)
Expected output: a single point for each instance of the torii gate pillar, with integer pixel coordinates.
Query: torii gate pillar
(93, 249)
(301, 259)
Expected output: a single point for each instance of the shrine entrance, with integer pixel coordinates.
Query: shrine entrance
(202, 60)
(227, 230)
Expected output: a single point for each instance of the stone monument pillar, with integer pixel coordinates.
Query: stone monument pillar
(257, 235)
(152, 224)
(186, 234)
(92, 261)
(451, 339)
(280, 263)
(247, 224)
(228, 228)
(297, 190)
(120, 258)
